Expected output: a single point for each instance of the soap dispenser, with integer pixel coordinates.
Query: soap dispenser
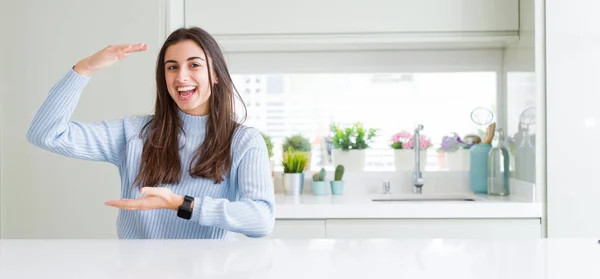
(498, 182)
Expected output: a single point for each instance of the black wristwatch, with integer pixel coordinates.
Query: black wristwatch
(185, 209)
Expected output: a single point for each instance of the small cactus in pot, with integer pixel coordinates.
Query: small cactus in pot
(319, 176)
(337, 185)
(319, 185)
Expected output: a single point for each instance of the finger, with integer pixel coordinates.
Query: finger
(127, 48)
(122, 54)
(129, 204)
(119, 46)
(137, 48)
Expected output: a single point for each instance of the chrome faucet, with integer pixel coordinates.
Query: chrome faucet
(386, 188)
(417, 174)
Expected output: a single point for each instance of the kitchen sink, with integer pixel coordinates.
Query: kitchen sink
(423, 199)
(426, 198)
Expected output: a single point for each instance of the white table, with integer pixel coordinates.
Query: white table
(274, 258)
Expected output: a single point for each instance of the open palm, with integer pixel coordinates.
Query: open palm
(153, 198)
(107, 56)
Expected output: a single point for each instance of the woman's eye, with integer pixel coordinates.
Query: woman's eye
(194, 65)
(171, 67)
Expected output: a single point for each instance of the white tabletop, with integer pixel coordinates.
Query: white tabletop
(268, 258)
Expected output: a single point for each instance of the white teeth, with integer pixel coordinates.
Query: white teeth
(186, 88)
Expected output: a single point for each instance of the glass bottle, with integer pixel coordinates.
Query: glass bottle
(498, 181)
(525, 158)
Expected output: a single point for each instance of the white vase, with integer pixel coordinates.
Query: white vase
(404, 159)
(458, 160)
(352, 160)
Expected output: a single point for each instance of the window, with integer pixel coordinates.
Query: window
(388, 90)
(390, 102)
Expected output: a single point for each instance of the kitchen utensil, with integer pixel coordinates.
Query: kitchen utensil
(527, 117)
(482, 116)
(471, 139)
(489, 135)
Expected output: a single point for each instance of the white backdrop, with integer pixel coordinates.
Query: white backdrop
(46, 195)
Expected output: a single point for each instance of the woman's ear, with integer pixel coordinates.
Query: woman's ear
(214, 76)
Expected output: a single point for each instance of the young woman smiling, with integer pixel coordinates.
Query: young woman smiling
(190, 170)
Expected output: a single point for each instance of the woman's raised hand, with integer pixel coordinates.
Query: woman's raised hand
(106, 57)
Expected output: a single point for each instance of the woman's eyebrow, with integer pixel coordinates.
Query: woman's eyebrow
(191, 58)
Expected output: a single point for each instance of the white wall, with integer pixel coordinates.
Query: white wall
(522, 91)
(572, 61)
(46, 195)
(5, 50)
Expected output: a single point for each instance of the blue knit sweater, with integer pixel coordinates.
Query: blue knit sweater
(243, 203)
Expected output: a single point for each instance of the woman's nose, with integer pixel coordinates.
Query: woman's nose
(183, 75)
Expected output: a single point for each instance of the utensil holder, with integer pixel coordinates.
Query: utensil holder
(478, 162)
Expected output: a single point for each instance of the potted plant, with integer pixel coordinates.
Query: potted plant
(319, 185)
(349, 145)
(293, 172)
(404, 155)
(456, 152)
(269, 144)
(337, 185)
(301, 145)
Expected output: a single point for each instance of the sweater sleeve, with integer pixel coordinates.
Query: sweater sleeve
(252, 214)
(51, 128)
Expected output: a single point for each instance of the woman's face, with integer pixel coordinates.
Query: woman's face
(186, 76)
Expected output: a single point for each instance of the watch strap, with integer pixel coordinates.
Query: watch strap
(185, 209)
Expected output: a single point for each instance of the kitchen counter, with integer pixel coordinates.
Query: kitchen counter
(314, 258)
(361, 206)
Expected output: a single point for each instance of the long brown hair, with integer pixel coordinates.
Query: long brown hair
(160, 162)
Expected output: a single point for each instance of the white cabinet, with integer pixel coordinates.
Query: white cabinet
(268, 25)
(408, 228)
(433, 228)
(241, 17)
(298, 229)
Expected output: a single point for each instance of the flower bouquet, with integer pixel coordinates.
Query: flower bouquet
(455, 152)
(404, 155)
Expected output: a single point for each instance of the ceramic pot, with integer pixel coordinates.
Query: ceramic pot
(337, 187)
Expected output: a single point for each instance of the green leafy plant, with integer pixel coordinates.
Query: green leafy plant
(319, 176)
(354, 137)
(269, 144)
(294, 162)
(339, 172)
(297, 142)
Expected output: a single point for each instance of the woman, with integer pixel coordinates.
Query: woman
(188, 171)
